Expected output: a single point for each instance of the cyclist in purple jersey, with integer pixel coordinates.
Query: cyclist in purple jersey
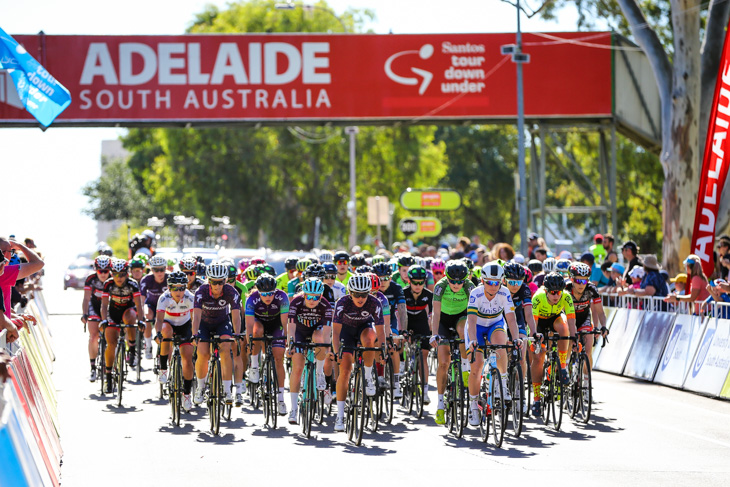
(210, 317)
(240, 355)
(310, 319)
(353, 320)
(151, 287)
(266, 313)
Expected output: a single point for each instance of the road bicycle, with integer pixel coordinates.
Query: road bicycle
(492, 405)
(174, 384)
(268, 386)
(579, 398)
(358, 405)
(310, 400)
(216, 400)
(455, 394)
(412, 383)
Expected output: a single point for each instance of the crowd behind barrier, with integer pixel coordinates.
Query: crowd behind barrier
(668, 344)
(29, 430)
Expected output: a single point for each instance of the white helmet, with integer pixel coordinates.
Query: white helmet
(325, 257)
(119, 265)
(548, 265)
(158, 261)
(216, 270)
(359, 283)
(492, 271)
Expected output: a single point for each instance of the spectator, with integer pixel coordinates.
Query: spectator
(532, 244)
(5, 323)
(617, 272)
(9, 274)
(481, 256)
(541, 253)
(462, 245)
(630, 251)
(696, 284)
(606, 271)
(612, 257)
(597, 276)
(651, 284)
(565, 254)
(723, 249)
(519, 258)
(608, 242)
(597, 249)
(503, 251)
(680, 282)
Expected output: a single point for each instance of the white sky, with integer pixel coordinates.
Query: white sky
(45, 171)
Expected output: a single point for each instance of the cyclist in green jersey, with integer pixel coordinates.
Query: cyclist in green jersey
(282, 280)
(252, 273)
(400, 276)
(342, 261)
(291, 287)
(450, 300)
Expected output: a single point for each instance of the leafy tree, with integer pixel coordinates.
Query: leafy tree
(115, 195)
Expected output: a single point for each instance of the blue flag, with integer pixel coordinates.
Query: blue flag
(41, 94)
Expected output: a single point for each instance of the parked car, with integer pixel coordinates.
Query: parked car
(77, 272)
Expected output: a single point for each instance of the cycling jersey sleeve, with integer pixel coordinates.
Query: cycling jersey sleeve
(438, 290)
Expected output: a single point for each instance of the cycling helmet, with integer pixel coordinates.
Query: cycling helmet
(268, 269)
(364, 269)
(232, 272)
(226, 261)
(136, 263)
(477, 272)
(158, 261)
(492, 271)
(312, 286)
(291, 263)
(253, 272)
(329, 268)
(357, 260)
(514, 271)
(102, 263)
(359, 283)
(258, 261)
(315, 260)
(457, 270)
(143, 257)
(368, 261)
(393, 265)
(374, 281)
(469, 263)
(438, 265)
(188, 264)
(548, 265)
(302, 264)
(417, 272)
(579, 269)
(382, 269)
(420, 261)
(265, 283)
(177, 277)
(377, 259)
(535, 266)
(119, 265)
(563, 266)
(106, 250)
(554, 282)
(341, 255)
(406, 261)
(216, 270)
(243, 264)
(528, 275)
(325, 257)
(314, 270)
(427, 261)
(170, 262)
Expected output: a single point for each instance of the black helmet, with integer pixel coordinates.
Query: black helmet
(329, 268)
(268, 269)
(357, 260)
(291, 263)
(178, 277)
(427, 262)
(314, 270)
(341, 255)
(265, 283)
(364, 269)
(417, 272)
(457, 270)
(232, 272)
(535, 266)
(382, 269)
(554, 282)
(406, 261)
(513, 270)
(468, 262)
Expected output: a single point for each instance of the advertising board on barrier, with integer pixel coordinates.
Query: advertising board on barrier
(286, 77)
(712, 360)
(623, 330)
(649, 345)
(680, 350)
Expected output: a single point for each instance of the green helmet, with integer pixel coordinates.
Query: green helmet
(302, 264)
(143, 257)
(137, 263)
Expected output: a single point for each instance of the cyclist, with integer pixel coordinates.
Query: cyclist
(213, 304)
(419, 306)
(310, 318)
(137, 267)
(173, 318)
(586, 302)
(240, 355)
(563, 267)
(515, 279)
(398, 317)
(91, 306)
(291, 286)
(450, 299)
(330, 279)
(470, 265)
(357, 261)
(317, 271)
(189, 266)
(354, 317)
(282, 280)
(547, 305)
(438, 268)
(400, 276)
(548, 266)
(342, 261)
(151, 287)
(266, 311)
(120, 303)
(490, 305)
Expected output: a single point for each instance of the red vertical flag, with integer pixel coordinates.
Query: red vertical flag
(714, 166)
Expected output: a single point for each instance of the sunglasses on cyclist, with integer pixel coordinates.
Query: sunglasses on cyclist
(267, 294)
(341, 262)
(554, 293)
(514, 282)
(100, 271)
(359, 295)
(158, 269)
(580, 281)
(120, 274)
(384, 278)
(312, 297)
(330, 276)
(456, 281)
(489, 282)
(189, 273)
(216, 282)
(417, 283)
(178, 288)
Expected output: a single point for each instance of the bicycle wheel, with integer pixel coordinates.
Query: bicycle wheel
(308, 400)
(528, 384)
(547, 391)
(372, 404)
(516, 387)
(432, 361)
(101, 363)
(138, 356)
(350, 406)
(485, 411)
(584, 401)
(418, 385)
(387, 396)
(361, 411)
(120, 372)
(272, 389)
(499, 408)
(556, 394)
(173, 393)
(570, 397)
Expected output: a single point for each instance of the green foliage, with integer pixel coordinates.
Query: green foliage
(115, 195)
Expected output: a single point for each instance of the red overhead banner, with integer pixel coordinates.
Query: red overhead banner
(714, 168)
(308, 77)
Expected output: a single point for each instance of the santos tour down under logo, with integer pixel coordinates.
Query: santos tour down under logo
(425, 52)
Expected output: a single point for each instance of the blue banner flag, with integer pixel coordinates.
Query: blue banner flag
(41, 94)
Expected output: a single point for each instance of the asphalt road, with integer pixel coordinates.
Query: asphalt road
(639, 432)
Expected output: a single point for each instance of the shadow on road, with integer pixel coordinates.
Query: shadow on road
(367, 447)
(599, 424)
(157, 401)
(183, 429)
(221, 439)
(522, 447)
(316, 441)
(113, 408)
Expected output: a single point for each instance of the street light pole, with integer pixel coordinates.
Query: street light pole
(351, 205)
(518, 59)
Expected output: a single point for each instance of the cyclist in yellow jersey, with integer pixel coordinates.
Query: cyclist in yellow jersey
(548, 304)
(282, 280)
(342, 261)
